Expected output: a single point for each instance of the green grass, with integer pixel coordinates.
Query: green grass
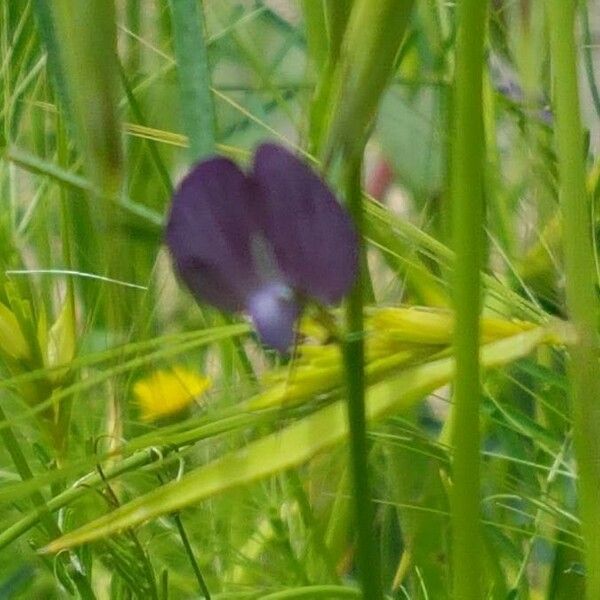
(446, 451)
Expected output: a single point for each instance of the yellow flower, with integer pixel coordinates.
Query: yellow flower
(165, 393)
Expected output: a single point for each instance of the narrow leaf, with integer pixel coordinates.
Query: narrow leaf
(293, 445)
(194, 77)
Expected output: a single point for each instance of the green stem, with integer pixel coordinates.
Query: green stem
(147, 568)
(64, 410)
(197, 104)
(194, 77)
(190, 553)
(136, 111)
(588, 60)
(368, 557)
(582, 302)
(311, 523)
(467, 162)
(89, 482)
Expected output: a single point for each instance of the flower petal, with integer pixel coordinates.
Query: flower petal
(312, 237)
(274, 311)
(210, 232)
(165, 393)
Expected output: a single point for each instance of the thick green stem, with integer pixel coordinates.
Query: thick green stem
(367, 555)
(194, 77)
(468, 214)
(582, 301)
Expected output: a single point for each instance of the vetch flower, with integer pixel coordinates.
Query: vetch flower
(165, 393)
(266, 241)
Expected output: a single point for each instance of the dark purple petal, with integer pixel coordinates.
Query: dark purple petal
(274, 311)
(210, 233)
(210, 285)
(312, 237)
(262, 242)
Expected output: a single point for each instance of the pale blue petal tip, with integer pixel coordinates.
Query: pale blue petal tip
(274, 311)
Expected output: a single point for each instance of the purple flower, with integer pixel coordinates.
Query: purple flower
(265, 242)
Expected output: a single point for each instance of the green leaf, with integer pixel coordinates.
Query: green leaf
(372, 41)
(194, 77)
(292, 446)
(87, 36)
(35, 164)
(409, 130)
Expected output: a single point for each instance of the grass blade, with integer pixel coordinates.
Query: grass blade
(194, 77)
(581, 281)
(294, 445)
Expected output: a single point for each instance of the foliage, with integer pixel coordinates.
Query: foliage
(151, 447)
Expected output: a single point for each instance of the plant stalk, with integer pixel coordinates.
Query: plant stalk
(190, 554)
(582, 300)
(194, 77)
(468, 216)
(367, 555)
